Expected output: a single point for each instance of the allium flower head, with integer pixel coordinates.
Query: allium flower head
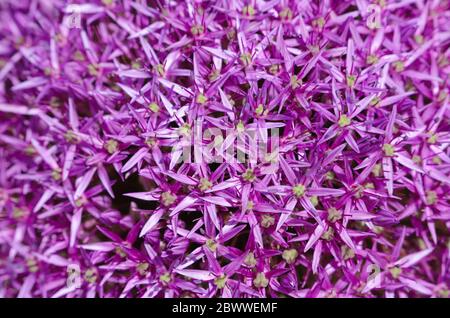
(227, 148)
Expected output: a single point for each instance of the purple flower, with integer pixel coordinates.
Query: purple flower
(224, 149)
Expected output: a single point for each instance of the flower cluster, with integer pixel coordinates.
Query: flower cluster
(100, 99)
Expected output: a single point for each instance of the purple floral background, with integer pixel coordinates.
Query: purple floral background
(99, 103)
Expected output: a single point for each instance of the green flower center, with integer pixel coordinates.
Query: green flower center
(399, 66)
(329, 175)
(221, 281)
(153, 107)
(19, 213)
(142, 268)
(246, 59)
(55, 102)
(248, 10)
(165, 278)
(334, 215)
(409, 86)
(267, 220)
(442, 96)
(314, 200)
(30, 151)
(347, 253)
(443, 60)
(136, 65)
(388, 150)
(328, 235)
(240, 127)
(299, 190)
(80, 201)
(91, 275)
(378, 229)
(260, 110)
(201, 99)
(250, 260)
(249, 175)
(197, 29)
(344, 121)
(168, 198)
(32, 265)
(319, 22)
(260, 281)
(431, 197)
(78, 56)
(295, 81)
(214, 75)
(119, 251)
(314, 49)
(381, 3)
(416, 159)
(185, 130)
(151, 142)
(421, 244)
(93, 69)
(395, 271)
(56, 174)
(290, 255)
(231, 34)
(286, 14)
(274, 69)
(205, 184)
(432, 139)
(419, 38)
(71, 137)
(111, 146)
(376, 170)
(351, 79)
(444, 293)
(369, 185)
(359, 191)
(211, 244)
(436, 160)
(372, 59)
(375, 101)
(159, 69)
